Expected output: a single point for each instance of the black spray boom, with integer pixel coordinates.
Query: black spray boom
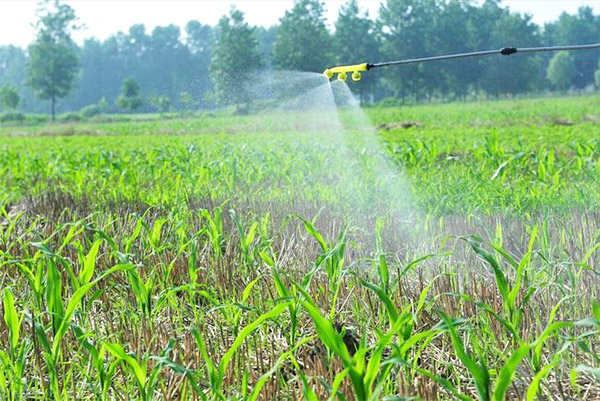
(356, 69)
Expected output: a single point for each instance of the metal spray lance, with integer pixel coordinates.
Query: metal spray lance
(357, 69)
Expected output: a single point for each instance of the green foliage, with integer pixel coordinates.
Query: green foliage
(187, 101)
(356, 40)
(90, 110)
(580, 27)
(146, 265)
(161, 103)
(511, 75)
(12, 117)
(303, 42)
(9, 97)
(235, 58)
(561, 71)
(53, 63)
(168, 63)
(71, 117)
(94, 109)
(130, 98)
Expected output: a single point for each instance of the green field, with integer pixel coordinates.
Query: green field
(450, 253)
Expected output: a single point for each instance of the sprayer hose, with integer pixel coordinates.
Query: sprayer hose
(506, 51)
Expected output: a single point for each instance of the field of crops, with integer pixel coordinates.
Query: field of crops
(453, 252)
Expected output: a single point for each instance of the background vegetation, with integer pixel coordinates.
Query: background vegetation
(190, 66)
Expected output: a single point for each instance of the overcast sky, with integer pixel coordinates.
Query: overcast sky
(103, 18)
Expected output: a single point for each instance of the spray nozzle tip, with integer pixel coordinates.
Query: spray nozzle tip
(342, 71)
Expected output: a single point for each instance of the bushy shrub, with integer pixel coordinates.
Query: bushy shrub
(388, 102)
(94, 109)
(37, 118)
(71, 117)
(13, 117)
(90, 110)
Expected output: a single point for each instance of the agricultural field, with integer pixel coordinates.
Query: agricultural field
(433, 252)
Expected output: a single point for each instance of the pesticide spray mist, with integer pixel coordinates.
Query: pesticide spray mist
(346, 176)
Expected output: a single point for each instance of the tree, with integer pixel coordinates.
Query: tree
(161, 103)
(130, 95)
(199, 42)
(515, 73)
(199, 39)
(582, 27)
(9, 97)
(355, 40)
(405, 27)
(303, 42)
(561, 71)
(235, 56)
(455, 33)
(53, 62)
(266, 42)
(597, 77)
(187, 101)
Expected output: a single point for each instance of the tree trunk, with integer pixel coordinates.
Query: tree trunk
(52, 108)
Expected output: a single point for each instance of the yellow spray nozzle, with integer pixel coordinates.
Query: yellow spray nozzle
(343, 71)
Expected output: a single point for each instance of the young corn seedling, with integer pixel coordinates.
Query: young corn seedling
(61, 313)
(284, 293)
(513, 309)
(332, 258)
(214, 230)
(215, 372)
(367, 368)
(13, 361)
(145, 380)
(143, 291)
(246, 238)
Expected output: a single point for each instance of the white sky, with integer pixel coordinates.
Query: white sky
(103, 18)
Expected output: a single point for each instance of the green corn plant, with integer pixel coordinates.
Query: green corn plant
(513, 311)
(146, 380)
(367, 369)
(380, 260)
(332, 258)
(214, 230)
(262, 380)
(246, 238)
(155, 235)
(61, 319)
(241, 305)
(284, 292)
(551, 331)
(104, 366)
(143, 291)
(88, 263)
(8, 230)
(129, 241)
(14, 361)
(501, 383)
(478, 370)
(215, 372)
(403, 322)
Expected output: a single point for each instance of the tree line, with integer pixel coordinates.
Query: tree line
(199, 67)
